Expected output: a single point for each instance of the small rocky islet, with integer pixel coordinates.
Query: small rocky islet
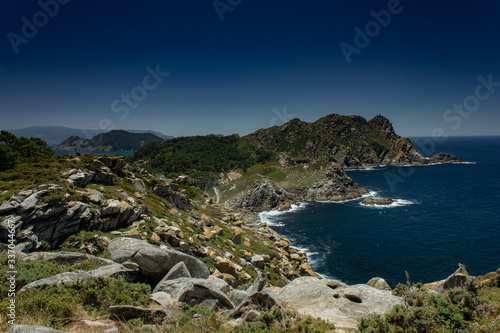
(209, 248)
(377, 201)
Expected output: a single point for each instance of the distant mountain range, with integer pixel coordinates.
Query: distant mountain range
(54, 135)
(117, 140)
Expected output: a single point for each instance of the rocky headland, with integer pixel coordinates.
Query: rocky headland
(311, 159)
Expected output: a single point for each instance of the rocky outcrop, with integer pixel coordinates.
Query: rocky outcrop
(455, 280)
(377, 201)
(153, 261)
(444, 158)
(349, 141)
(333, 301)
(383, 127)
(194, 291)
(263, 194)
(173, 194)
(66, 257)
(337, 187)
(266, 194)
(47, 213)
(379, 283)
(33, 329)
(53, 212)
(114, 270)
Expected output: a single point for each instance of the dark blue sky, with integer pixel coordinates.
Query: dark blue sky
(265, 63)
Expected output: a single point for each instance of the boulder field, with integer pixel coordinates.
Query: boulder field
(177, 277)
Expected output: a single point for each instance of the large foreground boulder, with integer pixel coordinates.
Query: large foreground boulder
(335, 302)
(195, 291)
(153, 261)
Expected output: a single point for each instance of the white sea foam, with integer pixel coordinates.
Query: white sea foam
(366, 195)
(431, 164)
(269, 216)
(372, 168)
(396, 203)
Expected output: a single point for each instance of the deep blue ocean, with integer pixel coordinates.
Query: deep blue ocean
(444, 215)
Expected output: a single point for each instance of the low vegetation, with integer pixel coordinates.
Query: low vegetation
(475, 308)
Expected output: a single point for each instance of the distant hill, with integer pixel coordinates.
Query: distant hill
(117, 140)
(54, 135)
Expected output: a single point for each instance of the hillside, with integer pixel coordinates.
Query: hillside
(54, 135)
(349, 141)
(117, 140)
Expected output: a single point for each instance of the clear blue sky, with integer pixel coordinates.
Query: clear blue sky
(228, 76)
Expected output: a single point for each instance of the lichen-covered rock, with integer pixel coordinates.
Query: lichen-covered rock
(457, 279)
(178, 271)
(379, 283)
(113, 270)
(194, 291)
(66, 257)
(152, 260)
(340, 304)
(33, 329)
(377, 201)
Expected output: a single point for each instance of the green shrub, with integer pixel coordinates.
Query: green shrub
(278, 320)
(53, 197)
(191, 192)
(55, 304)
(456, 310)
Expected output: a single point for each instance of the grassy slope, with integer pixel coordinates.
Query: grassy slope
(291, 178)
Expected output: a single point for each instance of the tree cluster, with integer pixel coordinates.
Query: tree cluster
(123, 140)
(199, 153)
(14, 150)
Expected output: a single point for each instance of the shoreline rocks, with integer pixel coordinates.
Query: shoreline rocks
(377, 201)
